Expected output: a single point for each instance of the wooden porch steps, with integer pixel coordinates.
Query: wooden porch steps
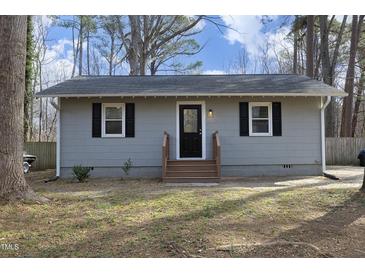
(191, 179)
(191, 171)
(190, 162)
(187, 171)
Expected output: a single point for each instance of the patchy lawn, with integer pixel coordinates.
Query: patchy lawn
(253, 217)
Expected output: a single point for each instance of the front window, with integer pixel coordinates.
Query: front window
(113, 120)
(260, 119)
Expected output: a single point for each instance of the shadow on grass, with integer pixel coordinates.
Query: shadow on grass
(151, 238)
(329, 227)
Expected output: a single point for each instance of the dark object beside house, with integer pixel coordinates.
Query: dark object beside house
(361, 157)
(27, 162)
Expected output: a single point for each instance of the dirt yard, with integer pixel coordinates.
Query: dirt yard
(251, 217)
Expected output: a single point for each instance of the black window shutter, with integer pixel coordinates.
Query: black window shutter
(96, 120)
(129, 120)
(244, 119)
(276, 118)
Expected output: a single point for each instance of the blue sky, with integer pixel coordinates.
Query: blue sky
(217, 49)
(221, 49)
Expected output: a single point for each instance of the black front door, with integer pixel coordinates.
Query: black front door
(190, 131)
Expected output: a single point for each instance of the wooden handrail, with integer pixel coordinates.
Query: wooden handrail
(165, 152)
(217, 152)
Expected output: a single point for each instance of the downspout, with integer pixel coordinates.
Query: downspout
(323, 134)
(58, 138)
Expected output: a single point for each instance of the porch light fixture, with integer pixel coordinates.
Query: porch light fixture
(210, 113)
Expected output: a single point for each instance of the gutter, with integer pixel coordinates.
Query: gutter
(189, 94)
(323, 134)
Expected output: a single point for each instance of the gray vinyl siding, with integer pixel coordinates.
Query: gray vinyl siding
(298, 145)
(78, 147)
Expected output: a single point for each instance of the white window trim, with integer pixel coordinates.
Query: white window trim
(260, 104)
(105, 105)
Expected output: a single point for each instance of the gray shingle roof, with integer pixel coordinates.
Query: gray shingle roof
(172, 85)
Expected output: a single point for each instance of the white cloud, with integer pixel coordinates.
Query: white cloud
(245, 30)
(257, 38)
(55, 57)
(58, 62)
(278, 41)
(46, 20)
(57, 49)
(214, 72)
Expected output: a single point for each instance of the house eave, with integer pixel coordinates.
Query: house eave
(266, 94)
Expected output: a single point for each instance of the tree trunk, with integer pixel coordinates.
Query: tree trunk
(350, 75)
(28, 76)
(153, 69)
(316, 69)
(88, 52)
(324, 49)
(143, 46)
(336, 50)
(31, 118)
(52, 126)
(360, 90)
(295, 49)
(34, 84)
(111, 58)
(13, 30)
(74, 51)
(40, 104)
(133, 50)
(301, 57)
(310, 46)
(81, 41)
(295, 54)
(326, 71)
(46, 116)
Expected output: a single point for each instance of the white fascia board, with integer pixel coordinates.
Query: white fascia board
(341, 94)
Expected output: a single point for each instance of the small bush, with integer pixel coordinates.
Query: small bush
(81, 173)
(127, 165)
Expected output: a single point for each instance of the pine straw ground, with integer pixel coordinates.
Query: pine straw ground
(253, 217)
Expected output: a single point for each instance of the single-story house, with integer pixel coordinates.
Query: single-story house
(192, 127)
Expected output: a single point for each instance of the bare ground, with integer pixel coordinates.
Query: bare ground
(240, 217)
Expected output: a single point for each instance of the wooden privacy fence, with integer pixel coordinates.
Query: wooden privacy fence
(45, 152)
(343, 151)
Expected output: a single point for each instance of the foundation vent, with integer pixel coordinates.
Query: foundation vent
(287, 166)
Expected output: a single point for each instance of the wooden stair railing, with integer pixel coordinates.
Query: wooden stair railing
(165, 152)
(217, 152)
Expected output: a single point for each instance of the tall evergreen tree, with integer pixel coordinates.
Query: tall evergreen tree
(310, 46)
(347, 107)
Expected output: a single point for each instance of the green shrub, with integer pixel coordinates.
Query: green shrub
(81, 173)
(127, 165)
